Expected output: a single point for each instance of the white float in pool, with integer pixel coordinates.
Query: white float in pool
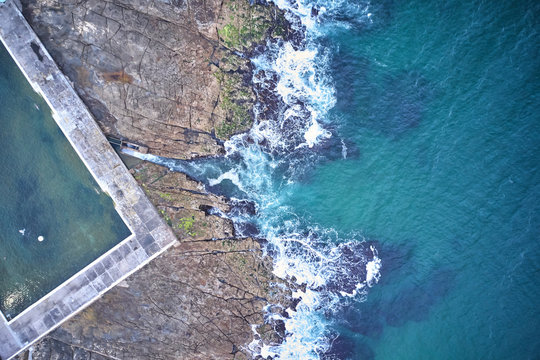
(40, 238)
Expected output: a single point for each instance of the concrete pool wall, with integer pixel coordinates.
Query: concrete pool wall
(150, 234)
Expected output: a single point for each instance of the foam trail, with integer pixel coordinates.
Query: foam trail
(330, 273)
(373, 268)
(343, 150)
(201, 172)
(291, 124)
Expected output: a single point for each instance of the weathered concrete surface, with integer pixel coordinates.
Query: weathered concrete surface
(187, 83)
(157, 73)
(150, 236)
(10, 343)
(196, 301)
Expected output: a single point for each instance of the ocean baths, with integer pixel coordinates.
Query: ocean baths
(62, 243)
(54, 218)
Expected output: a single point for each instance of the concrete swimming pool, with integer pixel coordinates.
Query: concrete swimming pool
(46, 194)
(69, 230)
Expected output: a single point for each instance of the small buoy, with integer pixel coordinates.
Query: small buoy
(40, 238)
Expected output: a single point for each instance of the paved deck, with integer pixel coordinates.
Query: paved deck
(150, 235)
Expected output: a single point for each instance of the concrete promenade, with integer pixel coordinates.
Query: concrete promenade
(150, 235)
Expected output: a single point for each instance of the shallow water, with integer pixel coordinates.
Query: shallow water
(432, 167)
(46, 191)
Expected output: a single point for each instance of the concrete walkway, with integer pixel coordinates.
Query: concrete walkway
(150, 235)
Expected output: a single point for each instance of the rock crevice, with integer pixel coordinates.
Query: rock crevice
(163, 74)
(168, 74)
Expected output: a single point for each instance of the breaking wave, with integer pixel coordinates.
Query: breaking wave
(262, 167)
(296, 92)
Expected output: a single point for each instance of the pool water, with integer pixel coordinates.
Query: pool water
(46, 193)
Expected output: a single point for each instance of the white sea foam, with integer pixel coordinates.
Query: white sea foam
(301, 82)
(138, 155)
(343, 149)
(373, 268)
(327, 267)
(229, 175)
(296, 75)
(314, 132)
(327, 272)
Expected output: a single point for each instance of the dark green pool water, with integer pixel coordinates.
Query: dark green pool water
(45, 190)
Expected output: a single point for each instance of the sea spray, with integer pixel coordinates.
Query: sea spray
(329, 269)
(263, 167)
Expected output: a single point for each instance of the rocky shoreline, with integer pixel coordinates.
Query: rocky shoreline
(173, 76)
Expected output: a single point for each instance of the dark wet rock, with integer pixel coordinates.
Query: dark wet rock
(241, 211)
(349, 267)
(207, 209)
(246, 229)
(279, 328)
(242, 207)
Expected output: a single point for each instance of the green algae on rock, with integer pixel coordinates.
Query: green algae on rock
(158, 75)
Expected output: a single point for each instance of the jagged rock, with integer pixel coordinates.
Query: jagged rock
(196, 301)
(150, 72)
(167, 74)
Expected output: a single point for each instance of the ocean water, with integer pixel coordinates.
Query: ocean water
(394, 169)
(45, 191)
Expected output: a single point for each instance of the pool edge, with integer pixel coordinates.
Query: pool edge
(150, 236)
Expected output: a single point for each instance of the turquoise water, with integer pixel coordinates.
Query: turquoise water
(46, 191)
(440, 100)
(401, 160)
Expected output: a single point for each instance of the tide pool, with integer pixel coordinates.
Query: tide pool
(46, 193)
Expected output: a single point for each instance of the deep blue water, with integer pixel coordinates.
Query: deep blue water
(45, 191)
(403, 163)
